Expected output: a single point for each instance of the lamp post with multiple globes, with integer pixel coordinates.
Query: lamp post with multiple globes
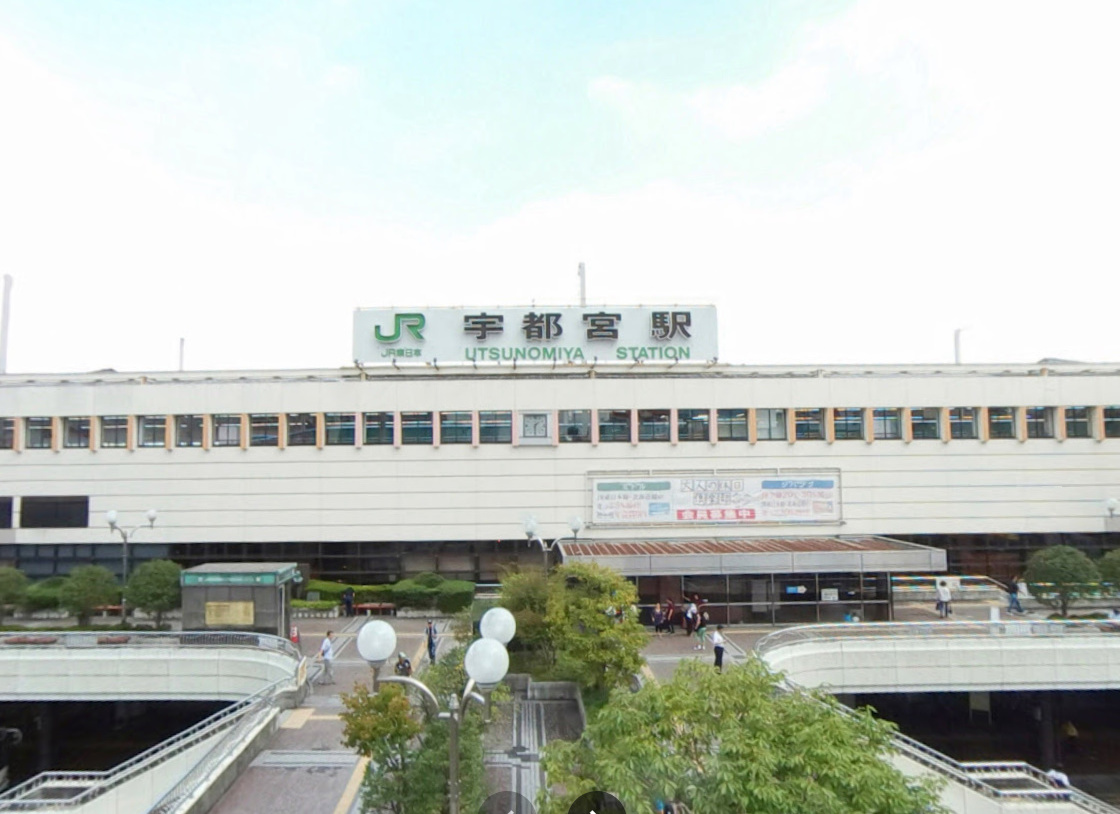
(126, 537)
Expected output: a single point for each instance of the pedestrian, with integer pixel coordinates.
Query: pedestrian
(701, 628)
(718, 642)
(1059, 778)
(403, 667)
(348, 601)
(326, 655)
(1013, 604)
(658, 620)
(690, 617)
(431, 635)
(670, 611)
(944, 599)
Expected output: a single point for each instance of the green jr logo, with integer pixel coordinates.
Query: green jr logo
(413, 323)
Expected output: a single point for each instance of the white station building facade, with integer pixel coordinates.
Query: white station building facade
(775, 493)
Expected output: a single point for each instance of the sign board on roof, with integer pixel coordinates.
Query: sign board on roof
(531, 335)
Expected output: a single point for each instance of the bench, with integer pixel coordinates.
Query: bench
(380, 608)
(108, 609)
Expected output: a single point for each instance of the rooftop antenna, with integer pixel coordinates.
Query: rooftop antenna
(582, 286)
(957, 346)
(4, 323)
(182, 344)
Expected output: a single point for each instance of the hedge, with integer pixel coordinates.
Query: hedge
(322, 604)
(455, 595)
(44, 595)
(421, 591)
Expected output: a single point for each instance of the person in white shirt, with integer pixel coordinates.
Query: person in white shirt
(718, 641)
(326, 655)
(944, 599)
(1058, 778)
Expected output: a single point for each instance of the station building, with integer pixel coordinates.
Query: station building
(782, 493)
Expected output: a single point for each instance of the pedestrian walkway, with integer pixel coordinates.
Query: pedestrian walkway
(304, 767)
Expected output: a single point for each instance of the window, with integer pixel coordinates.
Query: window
(188, 430)
(614, 425)
(692, 425)
(151, 430)
(1001, 422)
(5, 513)
(925, 422)
(264, 430)
(731, 425)
(575, 426)
(75, 432)
(39, 433)
(495, 427)
(770, 424)
(227, 430)
(339, 429)
(7, 433)
(1040, 422)
(653, 425)
(809, 424)
(455, 428)
(1111, 422)
(114, 431)
(303, 429)
(54, 513)
(416, 428)
(962, 422)
(378, 429)
(847, 423)
(1077, 422)
(887, 422)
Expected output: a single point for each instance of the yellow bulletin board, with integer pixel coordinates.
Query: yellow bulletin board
(229, 614)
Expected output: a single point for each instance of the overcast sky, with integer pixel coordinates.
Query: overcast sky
(845, 181)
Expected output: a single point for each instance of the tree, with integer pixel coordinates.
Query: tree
(408, 747)
(733, 742)
(525, 595)
(1060, 575)
(87, 587)
(1109, 567)
(381, 727)
(593, 625)
(13, 588)
(154, 588)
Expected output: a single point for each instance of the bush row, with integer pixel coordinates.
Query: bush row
(421, 591)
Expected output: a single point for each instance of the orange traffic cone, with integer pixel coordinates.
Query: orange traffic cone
(294, 636)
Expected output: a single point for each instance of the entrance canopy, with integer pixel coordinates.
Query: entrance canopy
(759, 555)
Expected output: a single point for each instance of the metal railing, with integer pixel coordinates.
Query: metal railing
(39, 639)
(926, 756)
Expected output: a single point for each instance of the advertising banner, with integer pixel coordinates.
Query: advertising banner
(745, 498)
(535, 335)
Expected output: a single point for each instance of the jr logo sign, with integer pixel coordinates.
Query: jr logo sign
(413, 323)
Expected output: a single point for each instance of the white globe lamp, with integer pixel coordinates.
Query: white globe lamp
(377, 641)
(498, 624)
(487, 662)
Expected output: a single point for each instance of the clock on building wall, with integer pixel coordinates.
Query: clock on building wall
(535, 427)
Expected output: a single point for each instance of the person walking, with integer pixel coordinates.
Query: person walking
(326, 655)
(670, 612)
(431, 634)
(701, 629)
(403, 667)
(1013, 604)
(690, 618)
(718, 642)
(658, 620)
(348, 601)
(944, 599)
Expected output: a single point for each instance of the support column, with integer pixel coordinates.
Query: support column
(1047, 734)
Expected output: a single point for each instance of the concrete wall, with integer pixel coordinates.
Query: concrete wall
(43, 673)
(953, 663)
(463, 492)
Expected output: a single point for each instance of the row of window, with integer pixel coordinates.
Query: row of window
(573, 426)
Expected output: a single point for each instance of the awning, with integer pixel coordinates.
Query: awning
(759, 555)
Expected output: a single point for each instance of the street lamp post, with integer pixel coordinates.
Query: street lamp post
(126, 537)
(532, 535)
(486, 663)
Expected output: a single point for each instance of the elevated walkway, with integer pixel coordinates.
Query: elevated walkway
(261, 674)
(957, 657)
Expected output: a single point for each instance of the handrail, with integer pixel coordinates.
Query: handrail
(103, 781)
(918, 751)
(110, 638)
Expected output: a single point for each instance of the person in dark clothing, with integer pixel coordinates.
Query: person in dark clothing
(348, 601)
(670, 612)
(1013, 604)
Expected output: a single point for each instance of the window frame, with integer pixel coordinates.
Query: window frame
(694, 424)
(957, 419)
(568, 420)
(417, 428)
(264, 429)
(230, 423)
(339, 429)
(41, 428)
(151, 431)
(847, 423)
(456, 427)
(920, 423)
(774, 428)
(1001, 423)
(80, 423)
(302, 429)
(1086, 420)
(7, 433)
(1110, 421)
(733, 424)
(655, 425)
(190, 430)
(374, 426)
(882, 419)
(617, 429)
(1039, 422)
(805, 419)
(495, 426)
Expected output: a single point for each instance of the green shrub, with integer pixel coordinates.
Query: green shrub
(327, 589)
(44, 595)
(322, 604)
(428, 579)
(373, 593)
(454, 595)
(408, 593)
